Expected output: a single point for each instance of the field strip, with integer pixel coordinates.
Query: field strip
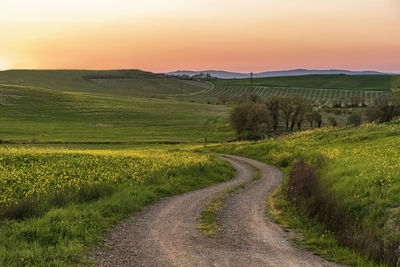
(212, 86)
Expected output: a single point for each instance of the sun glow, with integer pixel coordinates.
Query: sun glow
(5, 64)
(236, 35)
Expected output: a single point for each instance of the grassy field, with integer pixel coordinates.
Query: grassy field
(327, 96)
(345, 82)
(57, 201)
(114, 82)
(318, 88)
(359, 183)
(45, 115)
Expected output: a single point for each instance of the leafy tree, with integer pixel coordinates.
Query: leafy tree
(383, 109)
(317, 118)
(258, 121)
(287, 110)
(314, 117)
(222, 99)
(251, 121)
(354, 119)
(238, 117)
(300, 108)
(310, 118)
(333, 121)
(273, 105)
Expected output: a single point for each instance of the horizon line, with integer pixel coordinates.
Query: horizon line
(205, 70)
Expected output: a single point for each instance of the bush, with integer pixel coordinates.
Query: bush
(302, 180)
(354, 119)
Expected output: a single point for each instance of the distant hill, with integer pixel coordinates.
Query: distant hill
(297, 72)
(115, 82)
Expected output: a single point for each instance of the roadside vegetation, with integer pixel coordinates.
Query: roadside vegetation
(347, 179)
(56, 202)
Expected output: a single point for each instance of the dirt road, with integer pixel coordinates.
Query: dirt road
(165, 234)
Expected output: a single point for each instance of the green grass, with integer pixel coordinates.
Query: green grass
(346, 82)
(310, 234)
(62, 233)
(135, 83)
(46, 115)
(359, 181)
(328, 96)
(319, 88)
(208, 223)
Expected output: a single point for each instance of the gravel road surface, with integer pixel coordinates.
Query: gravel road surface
(165, 234)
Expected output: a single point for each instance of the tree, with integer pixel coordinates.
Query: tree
(250, 120)
(354, 119)
(300, 108)
(314, 117)
(222, 99)
(238, 117)
(333, 121)
(355, 101)
(258, 121)
(317, 118)
(254, 98)
(287, 110)
(383, 109)
(273, 105)
(310, 119)
(306, 109)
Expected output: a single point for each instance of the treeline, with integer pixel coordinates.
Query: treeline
(352, 102)
(384, 109)
(253, 118)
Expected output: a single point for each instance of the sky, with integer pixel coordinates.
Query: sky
(233, 35)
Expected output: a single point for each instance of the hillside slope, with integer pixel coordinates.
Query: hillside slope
(46, 115)
(357, 193)
(115, 82)
(321, 81)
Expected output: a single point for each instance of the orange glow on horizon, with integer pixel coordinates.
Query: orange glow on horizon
(232, 35)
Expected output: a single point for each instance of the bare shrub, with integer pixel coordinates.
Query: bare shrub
(302, 179)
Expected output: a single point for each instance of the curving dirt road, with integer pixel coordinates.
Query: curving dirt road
(165, 234)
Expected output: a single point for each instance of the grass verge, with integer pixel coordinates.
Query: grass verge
(310, 234)
(358, 188)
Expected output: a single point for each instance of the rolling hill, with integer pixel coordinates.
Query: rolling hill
(296, 72)
(115, 82)
(104, 106)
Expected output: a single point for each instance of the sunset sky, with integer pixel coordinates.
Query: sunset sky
(167, 35)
